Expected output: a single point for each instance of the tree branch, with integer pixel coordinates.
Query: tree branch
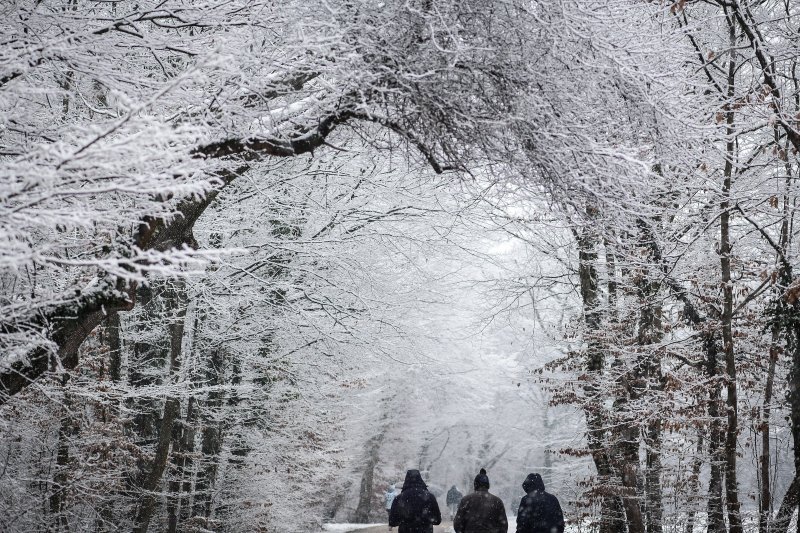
(781, 257)
(71, 323)
(426, 152)
(767, 73)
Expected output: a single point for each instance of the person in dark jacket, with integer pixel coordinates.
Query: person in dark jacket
(481, 512)
(453, 499)
(391, 494)
(415, 510)
(539, 511)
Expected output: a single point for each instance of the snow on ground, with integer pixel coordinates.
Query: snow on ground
(345, 528)
(445, 527)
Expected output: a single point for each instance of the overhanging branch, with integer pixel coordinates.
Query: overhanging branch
(426, 151)
(70, 324)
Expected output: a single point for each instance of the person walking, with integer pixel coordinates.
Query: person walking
(539, 511)
(415, 510)
(453, 499)
(391, 493)
(481, 512)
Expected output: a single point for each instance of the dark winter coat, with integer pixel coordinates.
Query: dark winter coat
(481, 512)
(454, 496)
(415, 510)
(539, 511)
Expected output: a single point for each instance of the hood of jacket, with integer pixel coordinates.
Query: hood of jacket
(533, 482)
(414, 480)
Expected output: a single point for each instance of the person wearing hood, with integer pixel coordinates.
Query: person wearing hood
(453, 499)
(481, 512)
(415, 510)
(539, 511)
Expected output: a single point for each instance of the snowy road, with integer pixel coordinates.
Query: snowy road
(445, 527)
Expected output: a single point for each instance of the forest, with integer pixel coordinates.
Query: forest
(258, 258)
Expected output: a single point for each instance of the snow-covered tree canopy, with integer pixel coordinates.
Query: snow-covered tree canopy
(123, 121)
(258, 258)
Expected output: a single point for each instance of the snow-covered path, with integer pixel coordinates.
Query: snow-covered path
(444, 527)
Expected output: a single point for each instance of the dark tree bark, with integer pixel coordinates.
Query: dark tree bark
(654, 498)
(149, 359)
(150, 477)
(180, 487)
(650, 332)
(790, 502)
(765, 492)
(714, 511)
(789, 320)
(765, 503)
(70, 325)
(367, 489)
(791, 499)
(731, 401)
(110, 338)
(114, 343)
(694, 484)
(625, 446)
(60, 484)
(716, 517)
(612, 519)
(211, 436)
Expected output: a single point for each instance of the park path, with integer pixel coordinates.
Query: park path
(444, 527)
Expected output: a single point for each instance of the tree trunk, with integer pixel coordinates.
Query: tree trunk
(765, 492)
(114, 343)
(207, 476)
(149, 484)
(625, 444)
(180, 486)
(188, 462)
(650, 332)
(547, 460)
(148, 359)
(60, 483)
(364, 508)
(630, 499)
(110, 338)
(716, 517)
(211, 437)
(611, 518)
(732, 401)
(694, 484)
(175, 314)
(765, 502)
(654, 503)
(794, 405)
(790, 502)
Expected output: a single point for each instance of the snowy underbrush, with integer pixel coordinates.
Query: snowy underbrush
(679, 523)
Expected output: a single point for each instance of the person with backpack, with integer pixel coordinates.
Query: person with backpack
(481, 512)
(539, 511)
(415, 510)
(453, 499)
